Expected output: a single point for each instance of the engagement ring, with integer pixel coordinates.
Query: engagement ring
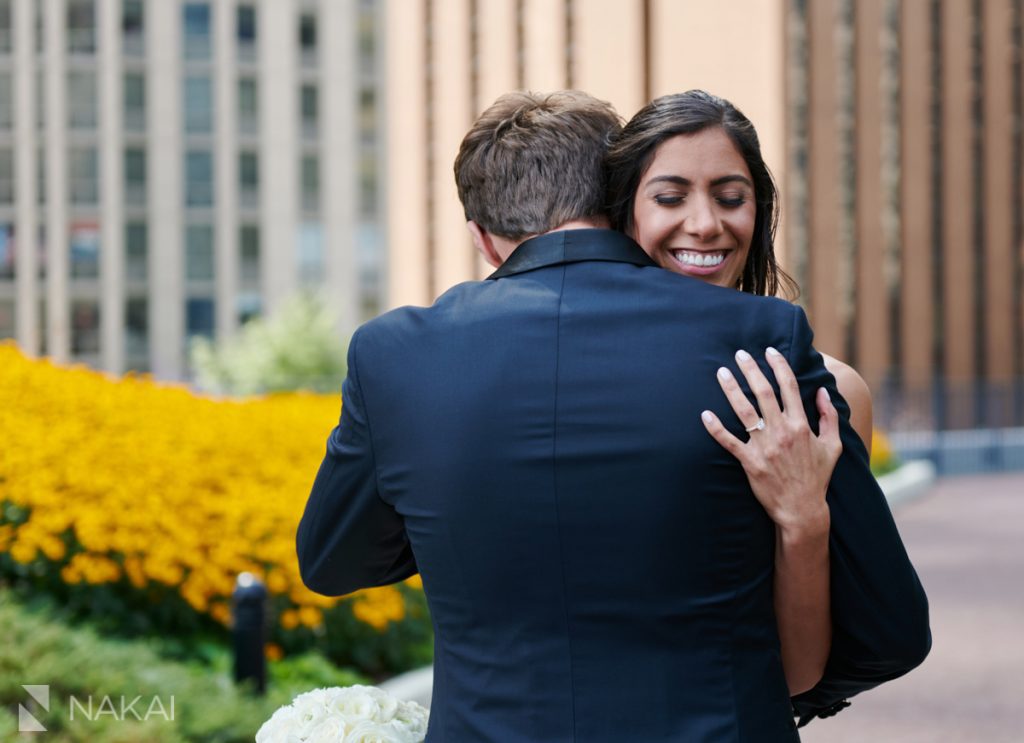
(759, 426)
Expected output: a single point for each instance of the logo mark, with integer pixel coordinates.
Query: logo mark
(27, 723)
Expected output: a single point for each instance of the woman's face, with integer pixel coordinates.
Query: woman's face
(694, 211)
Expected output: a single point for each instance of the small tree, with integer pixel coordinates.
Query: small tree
(296, 348)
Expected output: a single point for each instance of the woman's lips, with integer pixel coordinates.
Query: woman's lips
(699, 262)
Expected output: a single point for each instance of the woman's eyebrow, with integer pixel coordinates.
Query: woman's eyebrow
(680, 181)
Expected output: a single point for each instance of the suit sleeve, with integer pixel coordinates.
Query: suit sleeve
(349, 538)
(879, 610)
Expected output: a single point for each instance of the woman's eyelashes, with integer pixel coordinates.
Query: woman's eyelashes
(729, 201)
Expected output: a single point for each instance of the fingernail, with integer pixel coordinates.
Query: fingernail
(706, 416)
(827, 396)
(724, 374)
(772, 352)
(742, 355)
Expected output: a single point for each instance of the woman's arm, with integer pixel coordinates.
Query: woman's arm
(855, 391)
(789, 470)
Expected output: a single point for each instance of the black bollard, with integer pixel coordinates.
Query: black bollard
(249, 608)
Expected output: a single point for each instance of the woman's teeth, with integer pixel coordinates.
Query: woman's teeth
(699, 259)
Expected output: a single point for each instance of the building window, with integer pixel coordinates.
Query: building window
(198, 105)
(136, 260)
(199, 252)
(367, 185)
(6, 100)
(85, 250)
(82, 101)
(310, 183)
(134, 102)
(199, 179)
(133, 28)
(248, 106)
(84, 175)
(6, 176)
(249, 306)
(81, 27)
(249, 254)
(40, 101)
(307, 38)
(5, 26)
(310, 100)
(248, 179)
(245, 22)
(199, 316)
(41, 176)
(197, 30)
(135, 176)
(136, 328)
(7, 328)
(311, 252)
(85, 327)
(7, 251)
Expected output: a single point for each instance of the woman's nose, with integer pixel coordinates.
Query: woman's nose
(701, 220)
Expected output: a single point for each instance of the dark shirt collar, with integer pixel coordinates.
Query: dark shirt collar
(572, 246)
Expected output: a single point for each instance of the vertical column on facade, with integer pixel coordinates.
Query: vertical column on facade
(454, 259)
(871, 301)
(495, 64)
(57, 305)
(339, 76)
(544, 44)
(891, 180)
(915, 195)
(279, 157)
(845, 37)
(609, 52)
(112, 308)
(405, 184)
(795, 234)
(27, 219)
(997, 140)
(824, 177)
(165, 189)
(957, 208)
(226, 168)
(756, 28)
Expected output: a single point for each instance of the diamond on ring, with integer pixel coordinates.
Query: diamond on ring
(759, 426)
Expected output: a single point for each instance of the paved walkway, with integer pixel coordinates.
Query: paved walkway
(966, 538)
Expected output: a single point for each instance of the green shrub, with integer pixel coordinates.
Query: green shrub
(77, 662)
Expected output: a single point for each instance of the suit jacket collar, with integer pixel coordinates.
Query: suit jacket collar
(572, 246)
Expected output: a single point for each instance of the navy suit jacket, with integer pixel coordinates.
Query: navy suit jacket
(596, 565)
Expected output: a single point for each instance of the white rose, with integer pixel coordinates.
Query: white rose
(329, 731)
(277, 728)
(354, 703)
(367, 731)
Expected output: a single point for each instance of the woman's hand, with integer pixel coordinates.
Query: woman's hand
(788, 466)
(789, 469)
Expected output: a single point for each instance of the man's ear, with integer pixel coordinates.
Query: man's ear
(484, 242)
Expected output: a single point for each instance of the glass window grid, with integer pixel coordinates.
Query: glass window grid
(134, 93)
(198, 104)
(199, 252)
(199, 178)
(83, 101)
(248, 105)
(81, 27)
(197, 35)
(133, 28)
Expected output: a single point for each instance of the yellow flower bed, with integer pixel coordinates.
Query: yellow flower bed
(159, 486)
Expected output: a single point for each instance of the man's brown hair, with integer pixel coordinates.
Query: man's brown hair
(532, 162)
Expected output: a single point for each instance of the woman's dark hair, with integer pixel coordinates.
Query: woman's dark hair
(632, 152)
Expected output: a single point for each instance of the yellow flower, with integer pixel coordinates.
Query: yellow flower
(273, 651)
(155, 484)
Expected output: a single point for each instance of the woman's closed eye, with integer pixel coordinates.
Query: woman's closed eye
(665, 199)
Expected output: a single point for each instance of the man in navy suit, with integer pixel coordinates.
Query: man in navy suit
(596, 565)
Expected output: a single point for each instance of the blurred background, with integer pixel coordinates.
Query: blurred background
(218, 192)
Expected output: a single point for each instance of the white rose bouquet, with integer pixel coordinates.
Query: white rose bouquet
(352, 714)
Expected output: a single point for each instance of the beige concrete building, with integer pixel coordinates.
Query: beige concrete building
(894, 129)
(169, 169)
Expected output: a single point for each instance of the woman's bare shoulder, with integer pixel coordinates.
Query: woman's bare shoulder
(855, 391)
